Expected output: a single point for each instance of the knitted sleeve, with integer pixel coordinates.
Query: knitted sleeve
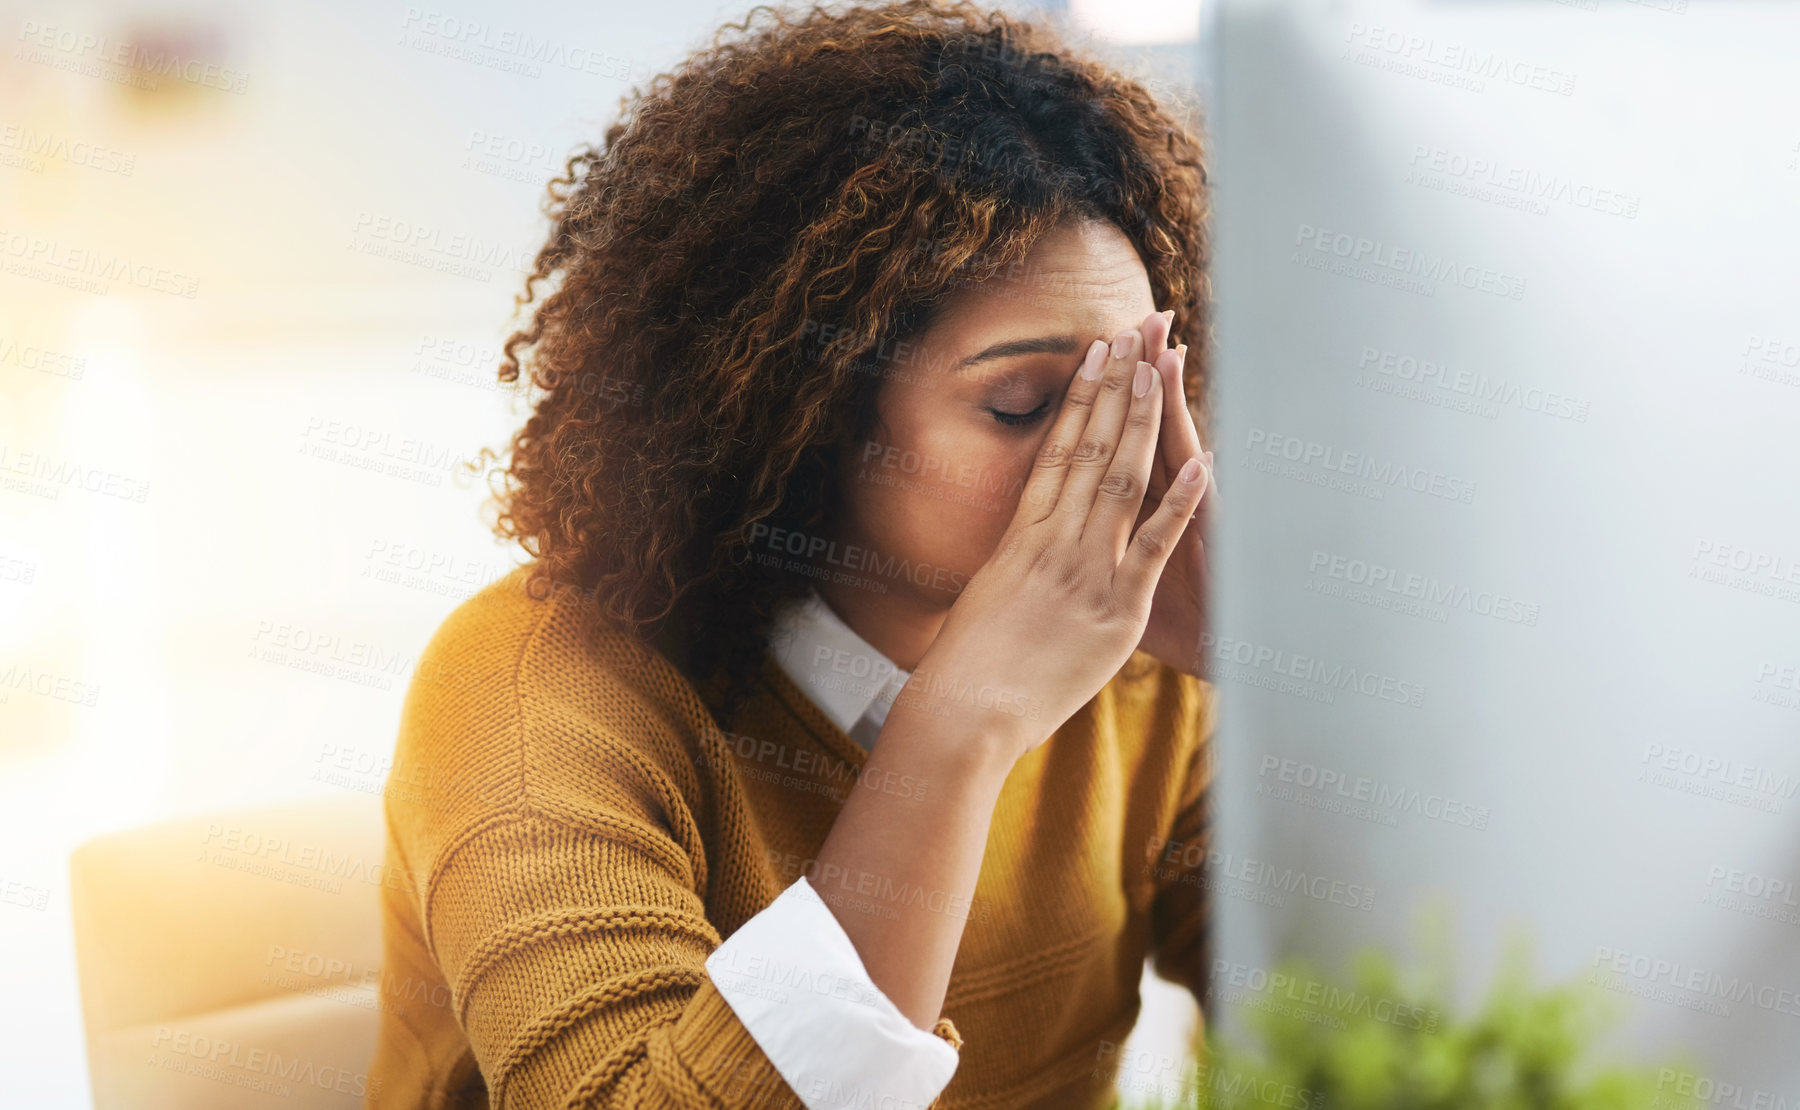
(575, 950)
(561, 833)
(1181, 913)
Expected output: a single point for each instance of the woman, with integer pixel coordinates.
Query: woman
(844, 743)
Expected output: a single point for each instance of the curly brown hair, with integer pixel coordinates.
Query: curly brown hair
(724, 271)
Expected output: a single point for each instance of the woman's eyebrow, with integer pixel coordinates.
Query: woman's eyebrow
(1038, 345)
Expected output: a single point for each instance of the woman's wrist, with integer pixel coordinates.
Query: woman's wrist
(930, 722)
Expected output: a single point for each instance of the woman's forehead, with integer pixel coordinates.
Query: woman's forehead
(1081, 278)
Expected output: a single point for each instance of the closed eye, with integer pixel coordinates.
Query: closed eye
(1021, 419)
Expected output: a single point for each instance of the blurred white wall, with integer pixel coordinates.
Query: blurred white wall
(1509, 421)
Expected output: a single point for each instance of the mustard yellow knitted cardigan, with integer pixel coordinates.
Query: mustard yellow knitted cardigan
(580, 835)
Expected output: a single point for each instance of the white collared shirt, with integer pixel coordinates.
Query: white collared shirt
(854, 684)
(844, 1034)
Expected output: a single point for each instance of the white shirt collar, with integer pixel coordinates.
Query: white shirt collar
(844, 676)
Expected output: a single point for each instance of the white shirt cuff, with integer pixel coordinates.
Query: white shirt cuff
(795, 980)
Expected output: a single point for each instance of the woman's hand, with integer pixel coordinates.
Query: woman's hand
(1067, 594)
(1178, 611)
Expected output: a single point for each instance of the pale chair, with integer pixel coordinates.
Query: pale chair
(230, 962)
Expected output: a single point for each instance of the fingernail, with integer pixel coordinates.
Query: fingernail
(1122, 344)
(1181, 352)
(1169, 315)
(1190, 470)
(1207, 455)
(1095, 363)
(1140, 382)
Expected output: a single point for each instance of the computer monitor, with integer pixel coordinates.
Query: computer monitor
(1508, 436)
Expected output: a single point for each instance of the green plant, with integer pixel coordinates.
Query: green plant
(1388, 1040)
